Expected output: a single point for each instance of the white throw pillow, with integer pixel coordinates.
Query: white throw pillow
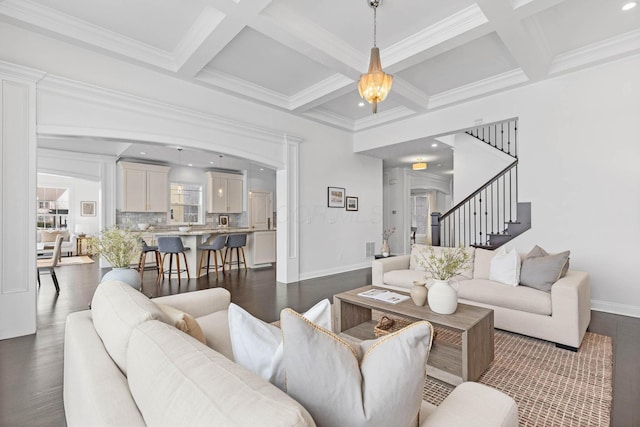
(257, 345)
(377, 384)
(505, 267)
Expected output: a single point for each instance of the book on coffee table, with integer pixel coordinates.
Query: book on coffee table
(385, 296)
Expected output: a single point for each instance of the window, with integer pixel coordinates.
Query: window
(53, 207)
(186, 203)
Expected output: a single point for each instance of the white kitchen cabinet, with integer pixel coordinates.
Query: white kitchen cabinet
(225, 192)
(261, 246)
(144, 187)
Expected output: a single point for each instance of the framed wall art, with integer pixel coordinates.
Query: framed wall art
(335, 197)
(87, 208)
(352, 203)
(223, 220)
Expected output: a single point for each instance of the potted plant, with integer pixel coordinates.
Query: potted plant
(386, 251)
(441, 267)
(120, 247)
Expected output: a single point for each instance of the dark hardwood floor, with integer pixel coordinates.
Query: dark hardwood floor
(31, 366)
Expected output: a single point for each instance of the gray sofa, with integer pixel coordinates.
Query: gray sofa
(124, 365)
(561, 315)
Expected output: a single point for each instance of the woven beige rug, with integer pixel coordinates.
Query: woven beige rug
(553, 387)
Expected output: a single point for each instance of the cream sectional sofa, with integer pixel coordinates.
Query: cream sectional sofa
(561, 315)
(124, 365)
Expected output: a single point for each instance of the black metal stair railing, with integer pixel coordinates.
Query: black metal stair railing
(492, 210)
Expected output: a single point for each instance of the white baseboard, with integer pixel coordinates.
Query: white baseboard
(341, 269)
(610, 307)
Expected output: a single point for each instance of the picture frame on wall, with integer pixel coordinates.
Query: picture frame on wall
(335, 197)
(352, 203)
(223, 221)
(87, 208)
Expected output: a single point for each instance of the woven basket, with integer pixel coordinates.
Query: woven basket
(387, 326)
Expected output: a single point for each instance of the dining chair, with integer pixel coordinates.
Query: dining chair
(50, 264)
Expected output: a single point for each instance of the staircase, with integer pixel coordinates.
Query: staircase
(492, 215)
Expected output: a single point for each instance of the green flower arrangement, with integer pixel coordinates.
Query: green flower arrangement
(119, 246)
(448, 264)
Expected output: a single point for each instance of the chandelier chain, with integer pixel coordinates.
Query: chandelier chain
(375, 9)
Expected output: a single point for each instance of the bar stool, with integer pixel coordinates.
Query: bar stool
(237, 242)
(215, 246)
(143, 258)
(172, 245)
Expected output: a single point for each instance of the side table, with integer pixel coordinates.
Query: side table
(81, 244)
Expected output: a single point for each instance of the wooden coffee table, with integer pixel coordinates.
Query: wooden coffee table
(447, 362)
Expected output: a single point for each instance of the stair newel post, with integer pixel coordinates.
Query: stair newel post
(435, 228)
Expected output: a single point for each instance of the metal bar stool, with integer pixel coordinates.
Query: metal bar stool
(237, 242)
(172, 245)
(143, 258)
(215, 247)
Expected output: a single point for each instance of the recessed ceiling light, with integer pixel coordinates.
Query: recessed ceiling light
(434, 145)
(143, 153)
(261, 169)
(190, 164)
(439, 165)
(628, 6)
(210, 163)
(360, 104)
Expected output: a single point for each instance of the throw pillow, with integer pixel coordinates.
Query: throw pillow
(505, 267)
(541, 270)
(183, 321)
(482, 263)
(48, 236)
(257, 345)
(378, 383)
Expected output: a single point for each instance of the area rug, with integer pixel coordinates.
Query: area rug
(74, 260)
(552, 386)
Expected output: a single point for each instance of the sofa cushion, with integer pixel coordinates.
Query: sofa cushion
(183, 321)
(215, 327)
(541, 270)
(421, 252)
(482, 263)
(403, 278)
(505, 267)
(176, 380)
(116, 309)
(377, 384)
(257, 345)
(519, 298)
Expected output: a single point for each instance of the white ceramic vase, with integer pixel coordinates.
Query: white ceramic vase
(127, 275)
(443, 298)
(418, 293)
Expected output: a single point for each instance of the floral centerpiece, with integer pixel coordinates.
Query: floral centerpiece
(119, 247)
(449, 263)
(386, 233)
(443, 266)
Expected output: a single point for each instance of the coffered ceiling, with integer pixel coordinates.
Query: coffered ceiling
(305, 56)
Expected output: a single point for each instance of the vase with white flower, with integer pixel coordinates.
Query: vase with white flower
(120, 247)
(386, 233)
(442, 266)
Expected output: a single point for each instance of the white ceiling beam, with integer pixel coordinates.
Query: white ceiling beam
(529, 53)
(526, 8)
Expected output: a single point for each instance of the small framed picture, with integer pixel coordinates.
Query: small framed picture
(352, 203)
(223, 220)
(335, 197)
(87, 208)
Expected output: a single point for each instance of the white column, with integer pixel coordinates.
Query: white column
(18, 284)
(288, 224)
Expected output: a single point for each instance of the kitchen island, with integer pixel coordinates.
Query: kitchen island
(256, 256)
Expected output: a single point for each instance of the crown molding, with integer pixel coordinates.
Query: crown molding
(318, 90)
(20, 72)
(325, 116)
(243, 87)
(383, 117)
(41, 16)
(479, 88)
(622, 45)
(127, 102)
(459, 23)
(204, 25)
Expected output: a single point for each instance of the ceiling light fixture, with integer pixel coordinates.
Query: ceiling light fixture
(420, 165)
(376, 84)
(629, 6)
(179, 169)
(434, 145)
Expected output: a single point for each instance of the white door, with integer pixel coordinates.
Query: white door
(260, 210)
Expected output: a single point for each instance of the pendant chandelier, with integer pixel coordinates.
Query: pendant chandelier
(419, 165)
(376, 84)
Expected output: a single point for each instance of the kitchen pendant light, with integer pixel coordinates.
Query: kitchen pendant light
(376, 84)
(179, 170)
(420, 165)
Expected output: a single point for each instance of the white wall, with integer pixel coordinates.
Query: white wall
(578, 149)
(474, 163)
(79, 190)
